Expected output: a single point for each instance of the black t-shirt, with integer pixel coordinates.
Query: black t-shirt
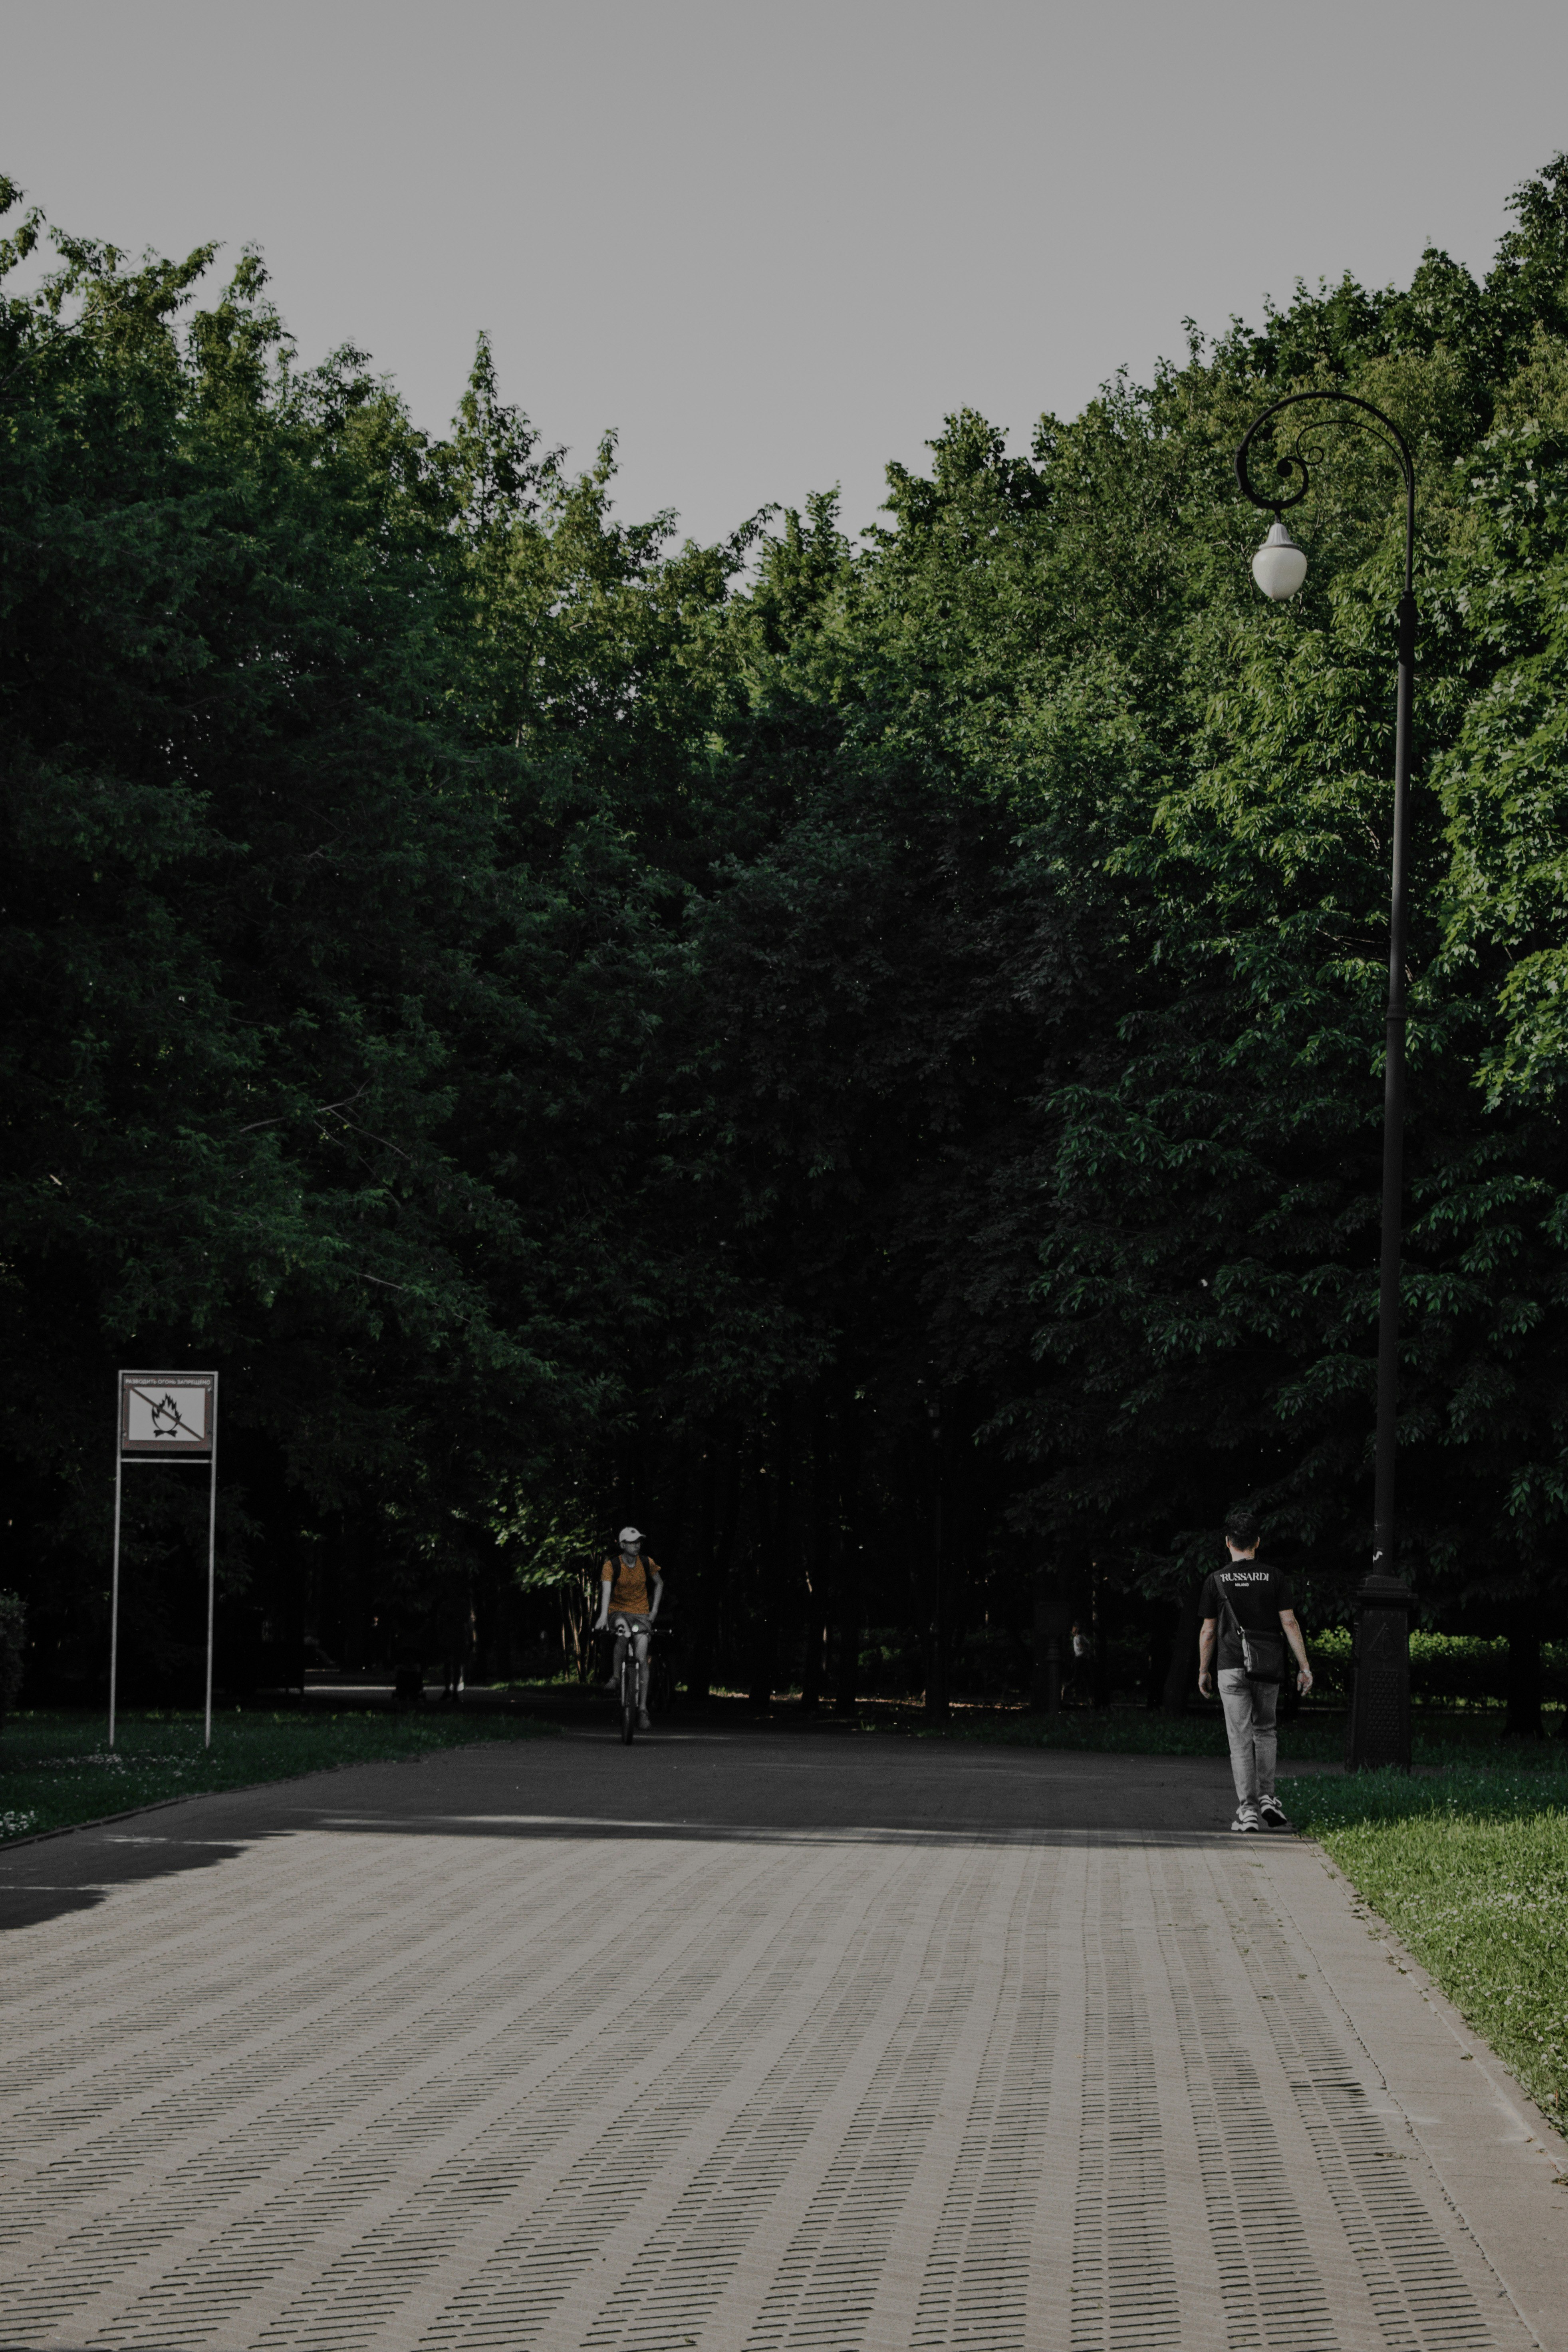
(1257, 1593)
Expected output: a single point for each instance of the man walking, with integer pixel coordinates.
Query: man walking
(1254, 1603)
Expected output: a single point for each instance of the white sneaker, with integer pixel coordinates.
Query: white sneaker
(1246, 1818)
(1272, 1812)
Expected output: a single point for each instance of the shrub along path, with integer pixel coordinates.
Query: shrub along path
(733, 2040)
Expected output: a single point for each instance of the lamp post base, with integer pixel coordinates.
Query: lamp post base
(1379, 1731)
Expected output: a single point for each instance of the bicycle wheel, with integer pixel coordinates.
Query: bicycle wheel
(628, 1698)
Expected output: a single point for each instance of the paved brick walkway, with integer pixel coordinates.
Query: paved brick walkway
(747, 2044)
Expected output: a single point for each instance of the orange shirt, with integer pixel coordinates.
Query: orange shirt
(631, 1588)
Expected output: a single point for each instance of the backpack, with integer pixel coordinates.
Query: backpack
(1262, 1655)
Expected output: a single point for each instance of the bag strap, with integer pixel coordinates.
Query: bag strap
(1239, 1629)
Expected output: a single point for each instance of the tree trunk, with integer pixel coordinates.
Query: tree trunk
(936, 1629)
(850, 1557)
(1046, 1683)
(1100, 1659)
(1182, 1672)
(679, 1526)
(1155, 1623)
(700, 1586)
(819, 1551)
(768, 1585)
(1523, 1672)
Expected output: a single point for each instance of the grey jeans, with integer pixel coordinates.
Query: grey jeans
(1249, 1711)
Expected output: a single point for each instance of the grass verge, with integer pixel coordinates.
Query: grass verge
(1471, 1866)
(55, 1770)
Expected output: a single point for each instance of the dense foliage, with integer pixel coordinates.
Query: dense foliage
(862, 1057)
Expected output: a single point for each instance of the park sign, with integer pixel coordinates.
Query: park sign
(167, 1413)
(166, 1417)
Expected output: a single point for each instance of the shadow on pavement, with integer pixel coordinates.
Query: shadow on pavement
(681, 1786)
(77, 1870)
(571, 1826)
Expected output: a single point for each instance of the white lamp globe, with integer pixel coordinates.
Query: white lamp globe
(1279, 566)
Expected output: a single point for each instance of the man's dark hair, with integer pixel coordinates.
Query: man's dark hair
(1242, 1528)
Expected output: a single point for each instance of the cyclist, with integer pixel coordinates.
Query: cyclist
(631, 1587)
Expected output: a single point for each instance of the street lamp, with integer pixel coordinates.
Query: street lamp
(1279, 566)
(1380, 1703)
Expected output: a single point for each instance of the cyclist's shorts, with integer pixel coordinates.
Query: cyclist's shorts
(631, 1621)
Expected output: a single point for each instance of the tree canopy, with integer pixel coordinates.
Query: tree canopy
(805, 1042)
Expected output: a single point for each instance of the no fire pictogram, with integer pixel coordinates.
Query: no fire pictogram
(166, 1412)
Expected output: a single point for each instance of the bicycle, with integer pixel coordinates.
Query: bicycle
(660, 1682)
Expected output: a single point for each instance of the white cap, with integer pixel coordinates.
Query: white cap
(629, 1535)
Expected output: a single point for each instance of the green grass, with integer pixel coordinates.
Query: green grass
(1471, 1866)
(55, 1768)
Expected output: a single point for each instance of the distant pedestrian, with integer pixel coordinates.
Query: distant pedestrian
(1254, 1604)
(1072, 1686)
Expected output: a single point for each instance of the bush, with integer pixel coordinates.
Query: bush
(1442, 1665)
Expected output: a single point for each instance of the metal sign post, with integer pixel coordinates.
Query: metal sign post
(166, 1417)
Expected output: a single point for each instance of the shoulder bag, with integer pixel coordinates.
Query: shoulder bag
(1263, 1655)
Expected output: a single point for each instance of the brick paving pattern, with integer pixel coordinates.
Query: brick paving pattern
(750, 2045)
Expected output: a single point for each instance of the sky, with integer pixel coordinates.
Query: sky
(773, 245)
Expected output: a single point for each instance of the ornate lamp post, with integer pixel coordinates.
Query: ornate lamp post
(1380, 1703)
